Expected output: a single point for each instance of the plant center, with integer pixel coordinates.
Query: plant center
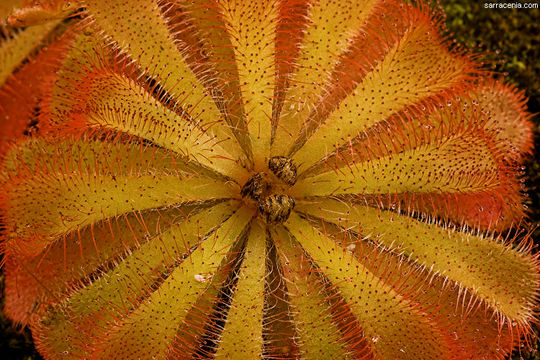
(267, 189)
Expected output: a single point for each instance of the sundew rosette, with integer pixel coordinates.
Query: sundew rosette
(293, 179)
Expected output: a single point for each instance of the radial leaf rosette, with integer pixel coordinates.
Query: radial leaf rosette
(264, 179)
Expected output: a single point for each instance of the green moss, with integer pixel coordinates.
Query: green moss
(510, 35)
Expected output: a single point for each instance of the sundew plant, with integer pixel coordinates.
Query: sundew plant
(263, 179)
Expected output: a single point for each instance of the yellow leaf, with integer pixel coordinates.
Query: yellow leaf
(392, 325)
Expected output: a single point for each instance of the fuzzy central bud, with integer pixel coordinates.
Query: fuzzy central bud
(266, 189)
(276, 208)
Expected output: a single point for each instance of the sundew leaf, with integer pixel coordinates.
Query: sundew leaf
(281, 180)
(203, 36)
(465, 116)
(402, 78)
(6, 9)
(457, 310)
(504, 107)
(292, 22)
(252, 26)
(14, 50)
(36, 13)
(318, 55)
(242, 335)
(502, 124)
(149, 288)
(107, 100)
(502, 277)
(75, 184)
(55, 108)
(318, 334)
(397, 330)
(32, 282)
(458, 164)
(23, 92)
(144, 37)
(279, 330)
(163, 311)
(497, 209)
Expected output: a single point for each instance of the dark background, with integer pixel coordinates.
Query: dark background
(510, 40)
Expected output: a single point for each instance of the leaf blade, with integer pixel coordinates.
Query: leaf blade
(414, 334)
(242, 335)
(148, 40)
(75, 184)
(501, 276)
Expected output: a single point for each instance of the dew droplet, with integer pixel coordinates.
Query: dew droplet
(201, 278)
